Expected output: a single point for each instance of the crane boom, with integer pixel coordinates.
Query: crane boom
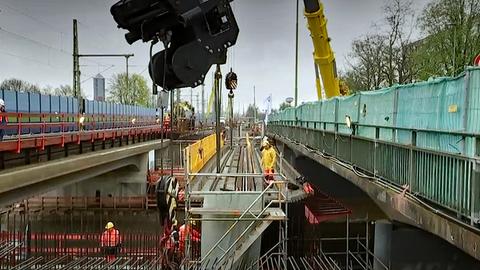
(323, 56)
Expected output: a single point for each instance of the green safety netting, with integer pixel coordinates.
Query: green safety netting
(441, 104)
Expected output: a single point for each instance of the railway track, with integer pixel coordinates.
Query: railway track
(240, 159)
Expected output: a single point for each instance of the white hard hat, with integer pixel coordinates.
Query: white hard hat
(265, 141)
(2, 103)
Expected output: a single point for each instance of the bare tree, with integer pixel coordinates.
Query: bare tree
(367, 68)
(384, 58)
(19, 85)
(65, 90)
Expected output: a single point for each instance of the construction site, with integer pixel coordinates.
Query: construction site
(378, 170)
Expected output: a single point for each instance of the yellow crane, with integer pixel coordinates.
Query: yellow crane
(325, 65)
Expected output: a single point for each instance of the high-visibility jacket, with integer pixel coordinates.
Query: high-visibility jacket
(183, 232)
(269, 158)
(3, 119)
(166, 122)
(110, 238)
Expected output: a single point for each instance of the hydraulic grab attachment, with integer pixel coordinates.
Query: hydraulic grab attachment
(196, 35)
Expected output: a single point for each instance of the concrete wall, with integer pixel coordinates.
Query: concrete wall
(212, 231)
(126, 181)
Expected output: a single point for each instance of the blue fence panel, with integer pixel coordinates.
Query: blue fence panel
(55, 109)
(89, 105)
(23, 107)
(10, 98)
(64, 109)
(34, 101)
(45, 107)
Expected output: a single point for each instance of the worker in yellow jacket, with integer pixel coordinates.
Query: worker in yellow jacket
(269, 159)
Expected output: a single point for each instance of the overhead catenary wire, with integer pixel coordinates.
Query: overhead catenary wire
(100, 72)
(58, 68)
(39, 43)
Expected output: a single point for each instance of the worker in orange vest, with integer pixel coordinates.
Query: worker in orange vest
(3, 119)
(184, 231)
(110, 242)
(166, 121)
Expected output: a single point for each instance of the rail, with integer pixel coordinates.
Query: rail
(449, 180)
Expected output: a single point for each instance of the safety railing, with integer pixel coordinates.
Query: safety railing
(447, 179)
(84, 203)
(279, 199)
(21, 127)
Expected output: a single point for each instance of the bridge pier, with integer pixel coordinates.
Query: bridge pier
(382, 244)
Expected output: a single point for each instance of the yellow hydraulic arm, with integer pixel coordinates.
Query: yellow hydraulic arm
(322, 52)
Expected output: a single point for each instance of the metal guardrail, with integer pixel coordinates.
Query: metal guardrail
(248, 211)
(86, 203)
(449, 180)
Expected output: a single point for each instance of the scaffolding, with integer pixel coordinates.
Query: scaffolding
(244, 224)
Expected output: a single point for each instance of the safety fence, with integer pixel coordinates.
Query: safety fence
(448, 180)
(29, 102)
(31, 130)
(201, 152)
(442, 111)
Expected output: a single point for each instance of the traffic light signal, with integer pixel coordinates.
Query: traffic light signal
(197, 35)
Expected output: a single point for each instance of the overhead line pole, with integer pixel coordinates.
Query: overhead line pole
(296, 55)
(254, 107)
(127, 56)
(76, 65)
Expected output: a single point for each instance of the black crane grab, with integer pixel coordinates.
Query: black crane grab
(196, 35)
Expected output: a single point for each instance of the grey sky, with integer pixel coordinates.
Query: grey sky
(36, 43)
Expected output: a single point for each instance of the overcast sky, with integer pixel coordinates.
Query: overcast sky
(36, 43)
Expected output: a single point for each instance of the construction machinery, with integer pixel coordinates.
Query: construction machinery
(196, 35)
(324, 58)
